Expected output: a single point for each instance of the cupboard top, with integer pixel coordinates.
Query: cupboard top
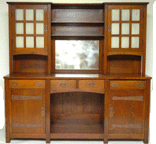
(76, 76)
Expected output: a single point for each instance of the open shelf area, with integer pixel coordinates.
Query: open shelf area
(77, 112)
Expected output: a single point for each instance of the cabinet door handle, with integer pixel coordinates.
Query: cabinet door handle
(91, 83)
(111, 112)
(62, 84)
(109, 28)
(42, 111)
(14, 83)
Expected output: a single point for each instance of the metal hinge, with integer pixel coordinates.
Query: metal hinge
(109, 28)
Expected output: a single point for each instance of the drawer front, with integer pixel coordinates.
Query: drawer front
(26, 84)
(127, 84)
(63, 84)
(92, 85)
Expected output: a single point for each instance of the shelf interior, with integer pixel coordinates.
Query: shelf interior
(77, 112)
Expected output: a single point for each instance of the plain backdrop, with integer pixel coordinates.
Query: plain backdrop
(150, 50)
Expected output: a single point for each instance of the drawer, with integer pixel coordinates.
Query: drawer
(92, 85)
(26, 84)
(63, 84)
(114, 84)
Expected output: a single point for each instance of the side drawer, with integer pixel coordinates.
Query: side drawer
(92, 85)
(63, 84)
(26, 84)
(115, 84)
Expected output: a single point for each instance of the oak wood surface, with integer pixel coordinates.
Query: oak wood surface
(105, 104)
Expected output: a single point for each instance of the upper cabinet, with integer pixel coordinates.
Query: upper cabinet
(125, 28)
(29, 29)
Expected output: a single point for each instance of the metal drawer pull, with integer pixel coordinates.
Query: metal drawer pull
(115, 85)
(39, 84)
(42, 111)
(62, 84)
(140, 85)
(17, 97)
(111, 112)
(14, 83)
(130, 98)
(91, 83)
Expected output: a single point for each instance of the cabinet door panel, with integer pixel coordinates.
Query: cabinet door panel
(29, 23)
(28, 111)
(126, 112)
(125, 21)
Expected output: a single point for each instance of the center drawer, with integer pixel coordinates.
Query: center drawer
(96, 86)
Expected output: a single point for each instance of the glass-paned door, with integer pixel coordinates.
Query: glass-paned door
(30, 29)
(125, 24)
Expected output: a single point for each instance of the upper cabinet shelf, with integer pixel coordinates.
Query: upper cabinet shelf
(81, 20)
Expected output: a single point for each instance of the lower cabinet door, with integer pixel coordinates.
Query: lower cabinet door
(126, 112)
(27, 111)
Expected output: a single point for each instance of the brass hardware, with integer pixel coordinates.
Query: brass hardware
(130, 98)
(39, 84)
(111, 112)
(140, 85)
(17, 97)
(45, 28)
(16, 125)
(135, 126)
(42, 111)
(14, 83)
(62, 84)
(115, 84)
(91, 83)
(109, 28)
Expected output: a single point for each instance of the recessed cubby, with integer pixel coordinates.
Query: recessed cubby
(29, 64)
(77, 112)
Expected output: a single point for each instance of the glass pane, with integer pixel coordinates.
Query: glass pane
(124, 42)
(40, 15)
(135, 15)
(29, 14)
(19, 14)
(125, 15)
(19, 42)
(39, 42)
(115, 14)
(29, 28)
(135, 28)
(135, 42)
(115, 42)
(125, 28)
(115, 28)
(19, 28)
(77, 54)
(39, 28)
(29, 42)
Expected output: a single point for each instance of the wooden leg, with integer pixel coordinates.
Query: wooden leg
(147, 110)
(7, 111)
(47, 103)
(106, 105)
